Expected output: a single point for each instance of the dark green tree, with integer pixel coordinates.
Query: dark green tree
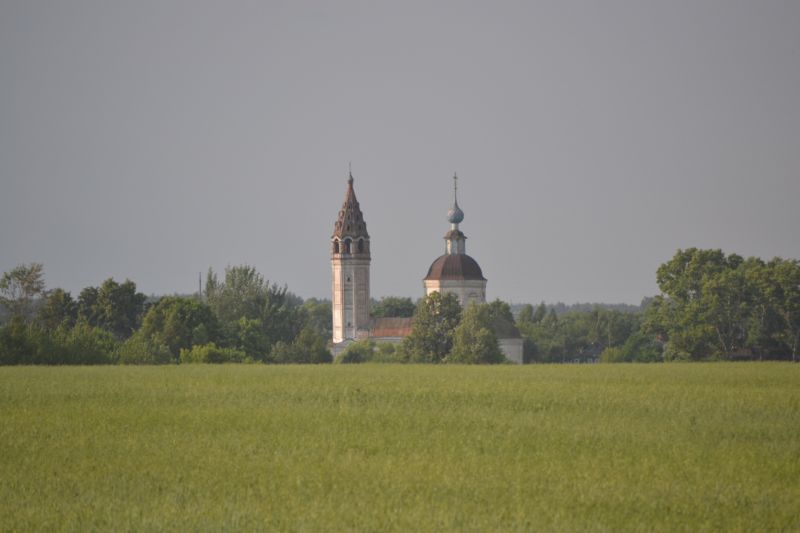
(525, 314)
(307, 348)
(88, 309)
(58, 309)
(541, 312)
(115, 307)
(474, 339)
(717, 306)
(393, 306)
(317, 315)
(179, 323)
(435, 320)
(781, 290)
(254, 314)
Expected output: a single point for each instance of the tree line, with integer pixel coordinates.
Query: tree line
(240, 318)
(711, 306)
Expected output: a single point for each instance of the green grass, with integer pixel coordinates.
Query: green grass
(382, 447)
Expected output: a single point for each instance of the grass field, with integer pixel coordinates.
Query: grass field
(383, 447)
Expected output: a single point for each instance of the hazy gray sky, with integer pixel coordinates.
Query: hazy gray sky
(152, 139)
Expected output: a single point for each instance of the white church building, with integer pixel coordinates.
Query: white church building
(454, 272)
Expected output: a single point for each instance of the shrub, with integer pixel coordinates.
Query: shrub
(612, 354)
(386, 352)
(83, 345)
(312, 346)
(357, 352)
(307, 348)
(211, 353)
(138, 350)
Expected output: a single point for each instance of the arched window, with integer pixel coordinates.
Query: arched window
(347, 246)
(360, 245)
(336, 247)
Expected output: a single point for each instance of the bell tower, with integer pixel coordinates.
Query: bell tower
(350, 261)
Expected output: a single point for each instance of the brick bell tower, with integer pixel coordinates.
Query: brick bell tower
(350, 261)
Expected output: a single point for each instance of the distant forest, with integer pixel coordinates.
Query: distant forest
(711, 306)
(561, 308)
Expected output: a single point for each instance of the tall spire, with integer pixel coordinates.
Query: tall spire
(455, 239)
(350, 222)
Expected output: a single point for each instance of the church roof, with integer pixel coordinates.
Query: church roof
(390, 327)
(350, 222)
(454, 266)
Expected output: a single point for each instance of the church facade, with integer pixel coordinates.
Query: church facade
(453, 272)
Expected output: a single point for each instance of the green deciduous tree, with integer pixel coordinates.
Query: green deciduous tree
(541, 312)
(179, 323)
(781, 291)
(139, 350)
(717, 306)
(474, 339)
(307, 348)
(393, 306)
(435, 320)
(20, 287)
(525, 314)
(58, 309)
(115, 307)
(254, 314)
(683, 314)
(83, 344)
(317, 315)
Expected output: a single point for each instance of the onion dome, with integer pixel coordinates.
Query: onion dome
(455, 267)
(455, 215)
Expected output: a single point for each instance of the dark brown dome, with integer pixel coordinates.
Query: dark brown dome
(456, 266)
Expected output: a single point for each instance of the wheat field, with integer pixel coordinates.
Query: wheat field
(390, 447)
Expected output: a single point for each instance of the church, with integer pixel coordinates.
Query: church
(453, 272)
